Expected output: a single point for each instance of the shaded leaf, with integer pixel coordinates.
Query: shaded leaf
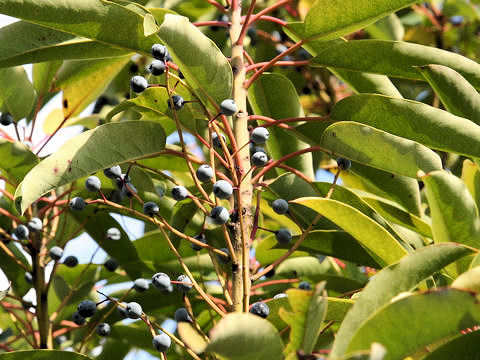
(469, 280)
(387, 28)
(17, 94)
(91, 151)
(464, 347)
(391, 281)
(459, 97)
(191, 337)
(241, 336)
(17, 160)
(23, 43)
(274, 95)
(305, 317)
(453, 210)
(3, 293)
(471, 178)
(204, 66)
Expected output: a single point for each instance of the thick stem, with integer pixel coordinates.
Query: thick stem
(243, 223)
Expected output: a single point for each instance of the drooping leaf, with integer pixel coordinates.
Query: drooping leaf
(17, 94)
(274, 95)
(82, 81)
(391, 281)
(468, 280)
(43, 355)
(432, 127)
(17, 160)
(453, 210)
(242, 336)
(204, 66)
(388, 28)
(24, 43)
(333, 19)
(308, 310)
(377, 148)
(55, 118)
(398, 59)
(375, 239)
(444, 321)
(91, 151)
(105, 21)
(459, 97)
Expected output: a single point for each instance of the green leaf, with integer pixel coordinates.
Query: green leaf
(468, 280)
(204, 66)
(305, 317)
(387, 326)
(43, 75)
(17, 94)
(459, 97)
(333, 19)
(101, 20)
(91, 151)
(387, 28)
(242, 336)
(452, 208)
(17, 160)
(274, 95)
(115, 349)
(471, 178)
(398, 59)
(82, 81)
(379, 149)
(401, 189)
(13, 271)
(462, 347)
(393, 280)
(432, 127)
(375, 239)
(3, 293)
(314, 269)
(43, 355)
(338, 244)
(191, 337)
(23, 43)
(152, 104)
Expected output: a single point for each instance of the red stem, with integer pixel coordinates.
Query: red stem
(267, 10)
(274, 282)
(279, 63)
(246, 24)
(213, 23)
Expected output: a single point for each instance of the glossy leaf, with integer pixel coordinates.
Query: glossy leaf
(308, 310)
(43, 355)
(444, 321)
(91, 151)
(23, 43)
(453, 210)
(391, 281)
(55, 118)
(398, 59)
(459, 97)
(377, 148)
(274, 95)
(469, 280)
(432, 127)
(17, 94)
(242, 336)
(105, 21)
(17, 160)
(330, 20)
(204, 66)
